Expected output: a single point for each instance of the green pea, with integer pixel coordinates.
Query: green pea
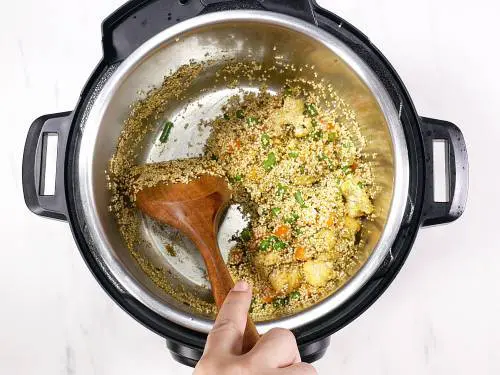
(264, 244)
(279, 245)
(238, 178)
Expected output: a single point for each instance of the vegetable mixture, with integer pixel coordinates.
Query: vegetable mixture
(298, 175)
(295, 164)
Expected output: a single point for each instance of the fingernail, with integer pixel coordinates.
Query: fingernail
(241, 286)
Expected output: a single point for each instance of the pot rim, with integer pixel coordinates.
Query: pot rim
(369, 78)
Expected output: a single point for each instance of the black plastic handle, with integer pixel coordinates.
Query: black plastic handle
(458, 172)
(138, 20)
(52, 206)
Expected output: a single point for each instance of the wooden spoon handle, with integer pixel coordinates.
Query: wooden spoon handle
(222, 283)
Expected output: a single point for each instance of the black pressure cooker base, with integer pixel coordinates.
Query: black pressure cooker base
(137, 21)
(190, 356)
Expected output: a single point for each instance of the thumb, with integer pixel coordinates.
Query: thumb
(226, 336)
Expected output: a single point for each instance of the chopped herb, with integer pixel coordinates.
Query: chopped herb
(238, 178)
(246, 235)
(347, 169)
(270, 162)
(281, 190)
(332, 136)
(252, 121)
(265, 140)
(317, 135)
(280, 302)
(361, 185)
(292, 219)
(214, 158)
(311, 110)
(297, 231)
(240, 114)
(293, 154)
(166, 131)
(252, 303)
(287, 90)
(295, 295)
(302, 169)
(299, 199)
(226, 116)
(275, 211)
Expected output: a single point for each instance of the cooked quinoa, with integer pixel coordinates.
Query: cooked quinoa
(297, 170)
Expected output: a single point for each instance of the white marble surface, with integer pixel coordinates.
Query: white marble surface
(440, 316)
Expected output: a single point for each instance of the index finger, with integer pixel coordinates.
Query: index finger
(226, 335)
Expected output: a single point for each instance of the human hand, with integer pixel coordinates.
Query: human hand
(276, 353)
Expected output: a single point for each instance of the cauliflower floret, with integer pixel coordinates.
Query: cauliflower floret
(285, 279)
(317, 272)
(291, 113)
(357, 201)
(327, 238)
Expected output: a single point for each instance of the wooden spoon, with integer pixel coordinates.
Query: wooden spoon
(195, 209)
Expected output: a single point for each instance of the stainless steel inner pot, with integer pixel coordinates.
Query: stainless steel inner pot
(247, 36)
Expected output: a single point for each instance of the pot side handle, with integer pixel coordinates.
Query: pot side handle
(457, 169)
(34, 162)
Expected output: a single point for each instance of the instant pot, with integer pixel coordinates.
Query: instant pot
(145, 39)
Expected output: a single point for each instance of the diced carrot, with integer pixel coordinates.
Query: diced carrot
(268, 299)
(237, 143)
(330, 126)
(300, 253)
(330, 221)
(354, 166)
(282, 231)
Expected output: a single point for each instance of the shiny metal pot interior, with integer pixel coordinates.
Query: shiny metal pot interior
(244, 35)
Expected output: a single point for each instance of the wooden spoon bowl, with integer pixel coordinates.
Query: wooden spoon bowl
(196, 209)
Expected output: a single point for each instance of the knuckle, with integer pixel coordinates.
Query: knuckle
(283, 333)
(224, 325)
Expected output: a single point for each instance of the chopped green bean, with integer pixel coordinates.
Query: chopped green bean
(275, 211)
(270, 162)
(252, 121)
(281, 190)
(265, 140)
(299, 199)
(311, 110)
(292, 219)
(167, 128)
